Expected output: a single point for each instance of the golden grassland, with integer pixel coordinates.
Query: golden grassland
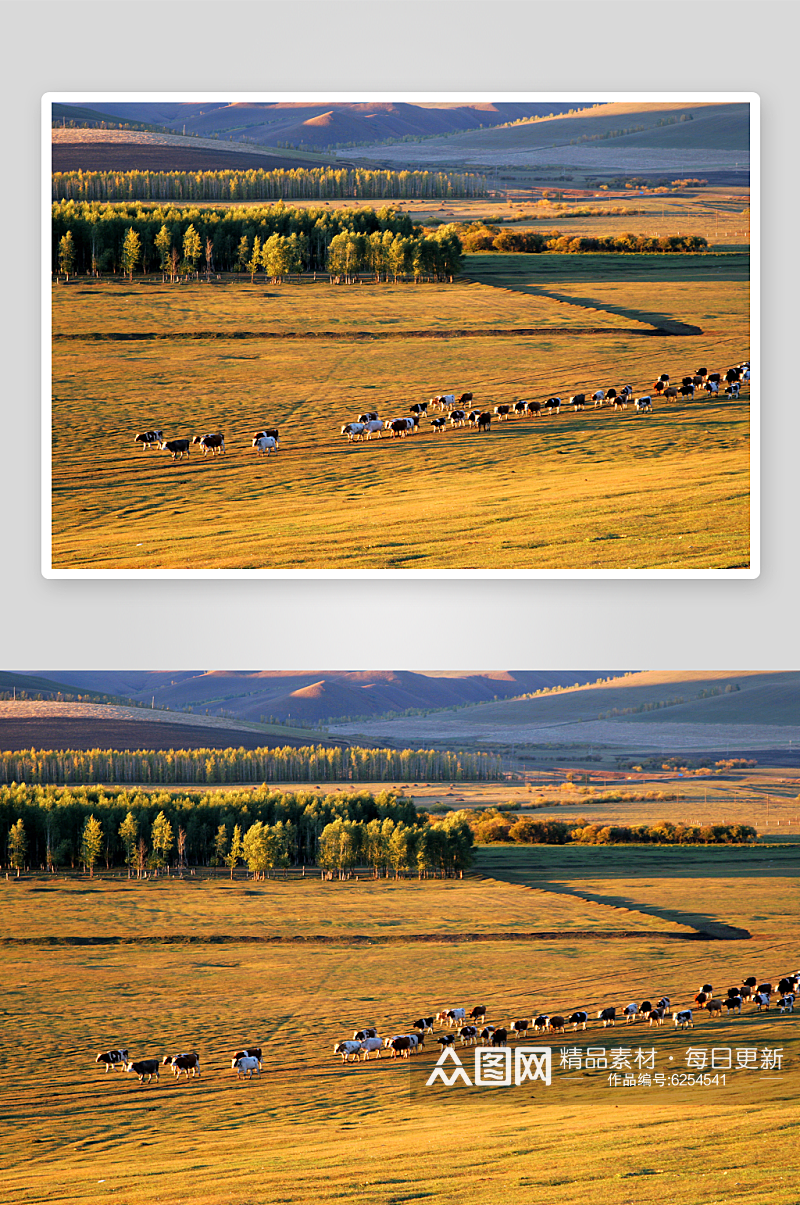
(597, 489)
(311, 1128)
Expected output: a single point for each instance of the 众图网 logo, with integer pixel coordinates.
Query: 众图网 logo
(494, 1068)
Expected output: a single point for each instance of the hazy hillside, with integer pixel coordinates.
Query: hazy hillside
(316, 696)
(320, 125)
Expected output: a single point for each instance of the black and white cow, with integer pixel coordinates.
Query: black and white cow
(644, 404)
(468, 1035)
(629, 1012)
(732, 389)
(484, 421)
(144, 1067)
(478, 1013)
(683, 1019)
(447, 1039)
(149, 439)
(578, 401)
(454, 1015)
(424, 1024)
(578, 1019)
(247, 1065)
(500, 1037)
(182, 1064)
(486, 1033)
(598, 397)
(252, 1052)
(786, 1003)
(403, 426)
(369, 417)
(419, 408)
(520, 1028)
(502, 412)
(178, 447)
(442, 400)
(553, 404)
(113, 1059)
(608, 1016)
(458, 418)
(541, 1023)
(351, 430)
(214, 443)
(438, 424)
(655, 1016)
(361, 1035)
(733, 1004)
(345, 1049)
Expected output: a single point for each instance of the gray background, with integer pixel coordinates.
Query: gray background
(382, 47)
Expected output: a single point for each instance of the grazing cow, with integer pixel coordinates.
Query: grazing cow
(707, 988)
(211, 443)
(683, 1019)
(484, 421)
(645, 1006)
(628, 390)
(621, 401)
(786, 1003)
(611, 395)
(541, 1023)
(733, 374)
(369, 417)
(373, 427)
(500, 1037)
(655, 1016)
(468, 1035)
(458, 418)
(149, 439)
(599, 397)
(761, 1000)
(465, 399)
(663, 1003)
(553, 404)
(659, 386)
(417, 1041)
(361, 1035)
(183, 1063)
(786, 984)
(438, 424)
(478, 1013)
(557, 1025)
(608, 1016)
(732, 390)
(712, 388)
(351, 430)
(442, 400)
(629, 1013)
(345, 1049)
(578, 401)
(268, 443)
(370, 1044)
(733, 1004)
(697, 380)
(520, 1028)
(716, 377)
(714, 1008)
(534, 408)
(456, 1014)
(502, 412)
(519, 408)
(734, 991)
(687, 390)
(486, 1033)
(112, 1059)
(252, 1052)
(248, 1063)
(701, 372)
(178, 447)
(644, 403)
(425, 1024)
(751, 981)
(671, 393)
(145, 1067)
(578, 1019)
(664, 377)
(419, 408)
(701, 998)
(766, 988)
(447, 1039)
(472, 417)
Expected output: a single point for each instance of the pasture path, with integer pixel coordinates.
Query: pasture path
(704, 928)
(660, 325)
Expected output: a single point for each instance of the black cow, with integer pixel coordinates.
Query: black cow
(534, 408)
(484, 421)
(464, 399)
(500, 1037)
(176, 446)
(145, 1067)
(211, 443)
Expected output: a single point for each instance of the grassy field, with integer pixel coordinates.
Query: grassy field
(597, 489)
(313, 1129)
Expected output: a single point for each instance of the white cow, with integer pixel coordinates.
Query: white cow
(345, 1049)
(266, 444)
(373, 427)
(245, 1066)
(370, 1044)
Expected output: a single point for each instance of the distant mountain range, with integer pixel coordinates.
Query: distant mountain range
(310, 697)
(319, 125)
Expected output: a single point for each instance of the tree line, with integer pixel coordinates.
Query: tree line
(95, 238)
(481, 237)
(266, 829)
(308, 763)
(258, 184)
(496, 826)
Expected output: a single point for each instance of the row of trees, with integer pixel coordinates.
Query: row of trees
(266, 829)
(308, 763)
(260, 185)
(480, 237)
(525, 830)
(93, 238)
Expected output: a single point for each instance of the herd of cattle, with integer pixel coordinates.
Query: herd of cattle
(369, 424)
(245, 1063)
(470, 1028)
